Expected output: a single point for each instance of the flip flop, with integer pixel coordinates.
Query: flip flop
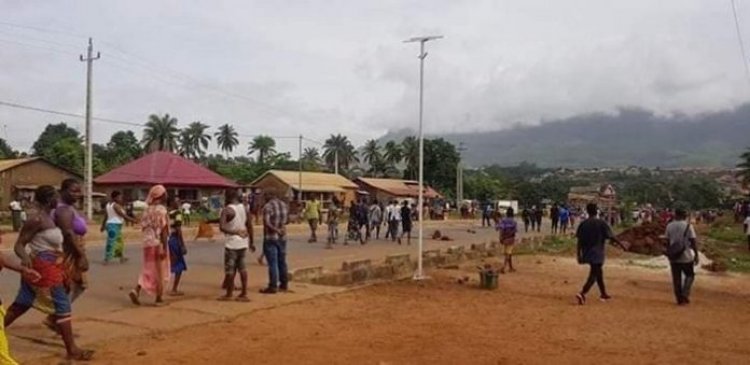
(134, 298)
(84, 355)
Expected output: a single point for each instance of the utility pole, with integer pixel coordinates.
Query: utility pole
(419, 275)
(88, 176)
(300, 169)
(460, 176)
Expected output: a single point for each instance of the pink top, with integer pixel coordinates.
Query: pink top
(154, 221)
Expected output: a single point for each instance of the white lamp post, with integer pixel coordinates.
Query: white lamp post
(419, 275)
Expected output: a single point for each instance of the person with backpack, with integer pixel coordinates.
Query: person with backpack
(592, 234)
(682, 251)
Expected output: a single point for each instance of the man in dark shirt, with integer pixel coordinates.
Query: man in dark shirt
(406, 220)
(592, 235)
(554, 215)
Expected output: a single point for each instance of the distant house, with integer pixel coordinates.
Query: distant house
(385, 190)
(604, 194)
(187, 179)
(20, 177)
(321, 185)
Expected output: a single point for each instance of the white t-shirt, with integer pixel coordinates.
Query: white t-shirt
(186, 208)
(747, 223)
(15, 205)
(235, 242)
(112, 216)
(678, 231)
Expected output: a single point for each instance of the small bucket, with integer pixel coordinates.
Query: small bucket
(488, 280)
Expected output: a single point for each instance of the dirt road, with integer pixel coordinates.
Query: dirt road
(531, 319)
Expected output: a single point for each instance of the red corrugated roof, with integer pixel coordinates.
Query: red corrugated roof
(164, 168)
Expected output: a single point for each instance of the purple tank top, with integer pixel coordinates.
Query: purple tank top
(79, 223)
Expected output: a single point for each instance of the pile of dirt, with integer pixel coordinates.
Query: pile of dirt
(646, 239)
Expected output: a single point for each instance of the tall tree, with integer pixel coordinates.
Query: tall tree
(226, 138)
(52, 134)
(393, 153)
(374, 157)
(160, 134)
(410, 148)
(194, 140)
(311, 159)
(744, 166)
(122, 147)
(264, 146)
(68, 153)
(440, 162)
(347, 154)
(6, 151)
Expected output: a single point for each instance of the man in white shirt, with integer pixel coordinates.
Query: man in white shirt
(16, 211)
(238, 229)
(393, 212)
(681, 235)
(186, 207)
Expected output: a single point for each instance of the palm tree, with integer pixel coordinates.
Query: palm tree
(264, 146)
(338, 144)
(160, 133)
(410, 148)
(194, 140)
(393, 153)
(744, 166)
(373, 156)
(226, 138)
(311, 159)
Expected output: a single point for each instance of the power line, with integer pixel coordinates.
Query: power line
(741, 41)
(43, 30)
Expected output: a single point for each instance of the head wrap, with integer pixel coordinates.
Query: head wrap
(156, 192)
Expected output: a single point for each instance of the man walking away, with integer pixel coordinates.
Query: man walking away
(238, 231)
(363, 221)
(526, 217)
(375, 218)
(554, 215)
(683, 255)
(592, 235)
(394, 219)
(538, 214)
(312, 216)
(486, 214)
(275, 219)
(406, 219)
(564, 215)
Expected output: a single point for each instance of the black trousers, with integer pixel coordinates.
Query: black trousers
(682, 285)
(596, 274)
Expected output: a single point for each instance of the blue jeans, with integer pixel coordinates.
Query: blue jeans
(275, 252)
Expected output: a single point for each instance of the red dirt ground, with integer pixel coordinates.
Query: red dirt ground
(530, 319)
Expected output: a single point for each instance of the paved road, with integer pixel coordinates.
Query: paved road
(109, 285)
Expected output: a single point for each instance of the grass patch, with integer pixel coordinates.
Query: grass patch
(553, 245)
(734, 255)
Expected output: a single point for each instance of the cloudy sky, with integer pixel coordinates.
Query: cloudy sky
(339, 66)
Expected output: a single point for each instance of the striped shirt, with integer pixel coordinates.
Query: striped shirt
(275, 212)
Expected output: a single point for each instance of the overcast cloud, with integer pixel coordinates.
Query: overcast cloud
(321, 67)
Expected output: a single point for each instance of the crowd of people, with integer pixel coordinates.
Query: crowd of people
(52, 259)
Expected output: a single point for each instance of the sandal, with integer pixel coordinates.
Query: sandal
(134, 298)
(83, 355)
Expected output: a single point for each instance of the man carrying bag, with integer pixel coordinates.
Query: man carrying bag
(682, 251)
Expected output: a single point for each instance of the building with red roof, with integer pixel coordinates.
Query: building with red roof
(188, 179)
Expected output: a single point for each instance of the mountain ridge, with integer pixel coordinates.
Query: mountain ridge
(629, 137)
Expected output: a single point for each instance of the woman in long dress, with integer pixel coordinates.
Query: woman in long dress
(155, 227)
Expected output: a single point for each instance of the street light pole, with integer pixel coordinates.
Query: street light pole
(419, 275)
